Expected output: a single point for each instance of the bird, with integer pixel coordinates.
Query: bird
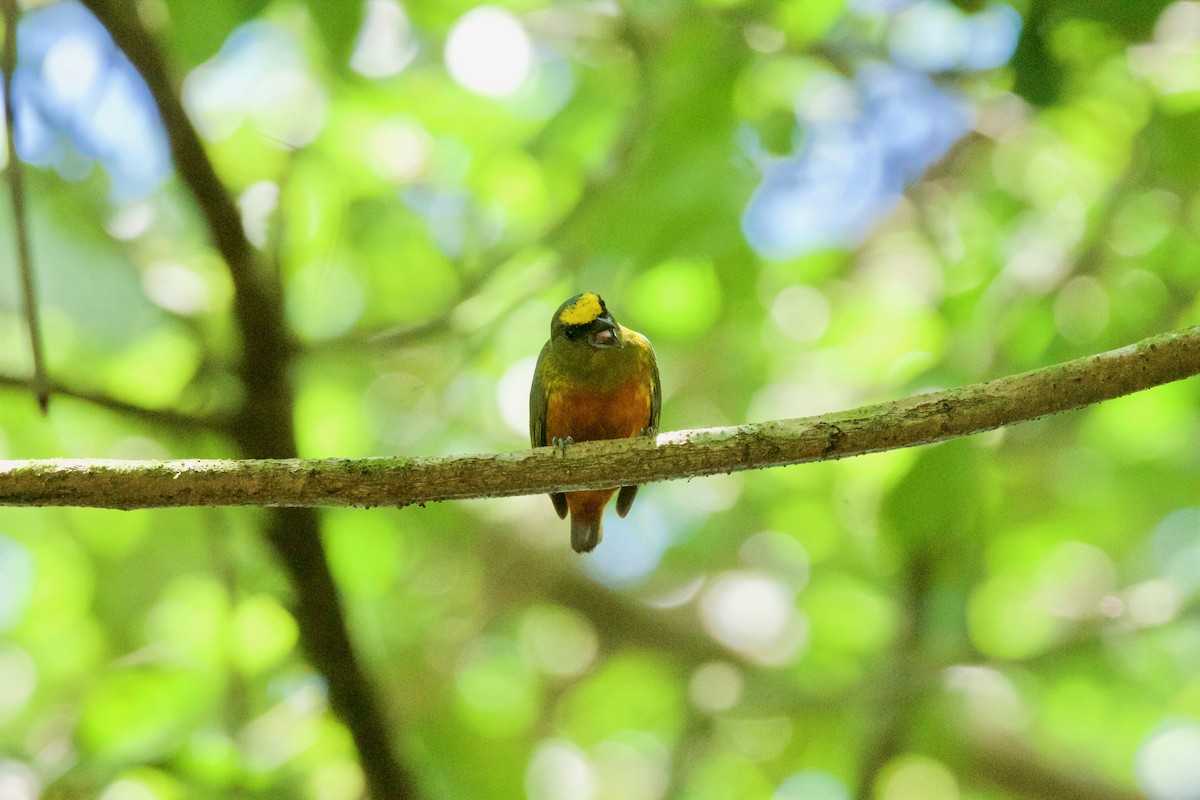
(594, 379)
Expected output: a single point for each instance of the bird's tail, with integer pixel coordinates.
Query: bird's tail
(585, 535)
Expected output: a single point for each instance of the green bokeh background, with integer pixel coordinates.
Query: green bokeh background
(890, 627)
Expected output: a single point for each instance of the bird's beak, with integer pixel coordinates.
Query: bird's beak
(604, 332)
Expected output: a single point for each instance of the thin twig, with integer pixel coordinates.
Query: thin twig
(922, 419)
(902, 684)
(1011, 765)
(264, 424)
(40, 383)
(162, 417)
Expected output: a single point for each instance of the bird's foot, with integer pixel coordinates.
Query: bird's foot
(651, 431)
(561, 444)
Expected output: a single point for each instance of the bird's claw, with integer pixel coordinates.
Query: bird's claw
(561, 444)
(651, 431)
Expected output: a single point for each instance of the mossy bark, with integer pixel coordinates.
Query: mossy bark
(917, 420)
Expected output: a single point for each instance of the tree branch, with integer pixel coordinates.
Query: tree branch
(39, 383)
(922, 419)
(257, 306)
(1007, 763)
(164, 417)
(263, 425)
(901, 681)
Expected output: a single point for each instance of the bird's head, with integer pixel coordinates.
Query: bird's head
(583, 320)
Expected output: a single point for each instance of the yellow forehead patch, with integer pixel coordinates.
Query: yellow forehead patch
(582, 311)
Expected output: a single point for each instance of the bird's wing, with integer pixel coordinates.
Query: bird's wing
(655, 395)
(537, 404)
(538, 401)
(627, 494)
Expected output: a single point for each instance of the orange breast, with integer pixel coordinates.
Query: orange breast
(587, 415)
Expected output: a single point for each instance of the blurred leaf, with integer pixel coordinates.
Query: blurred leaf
(1170, 160)
(558, 640)
(364, 553)
(935, 509)
(196, 29)
(211, 756)
(331, 421)
(1007, 619)
(1152, 424)
(191, 620)
(849, 615)
(149, 783)
(263, 633)
(678, 299)
(806, 22)
(1038, 81)
(497, 690)
(141, 713)
(725, 775)
(156, 369)
(631, 692)
(338, 24)
(514, 184)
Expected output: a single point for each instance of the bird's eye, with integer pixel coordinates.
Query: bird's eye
(573, 331)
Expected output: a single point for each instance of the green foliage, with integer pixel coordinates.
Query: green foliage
(338, 25)
(632, 692)
(808, 633)
(140, 714)
(935, 511)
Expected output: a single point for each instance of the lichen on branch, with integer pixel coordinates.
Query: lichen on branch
(921, 419)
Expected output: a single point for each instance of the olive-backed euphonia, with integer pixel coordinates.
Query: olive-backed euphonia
(595, 379)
